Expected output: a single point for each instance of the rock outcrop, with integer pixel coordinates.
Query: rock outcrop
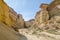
(29, 23)
(48, 17)
(10, 17)
(20, 21)
(16, 19)
(54, 8)
(54, 11)
(8, 20)
(46, 24)
(42, 17)
(4, 13)
(43, 14)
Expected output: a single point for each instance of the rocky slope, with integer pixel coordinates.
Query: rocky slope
(8, 20)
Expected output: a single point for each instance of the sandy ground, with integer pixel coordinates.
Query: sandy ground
(42, 36)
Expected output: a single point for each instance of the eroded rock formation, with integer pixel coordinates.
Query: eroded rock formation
(8, 20)
(42, 16)
(49, 16)
(29, 23)
(20, 21)
(9, 16)
(4, 13)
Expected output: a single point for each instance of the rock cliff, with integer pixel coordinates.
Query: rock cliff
(48, 17)
(42, 16)
(20, 21)
(9, 16)
(46, 24)
(8, 20)
(4, 14)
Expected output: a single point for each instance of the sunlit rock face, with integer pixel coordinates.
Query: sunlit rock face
(42, 16)
(37, 17)
(49, 16)
(4, 13)
(17, 20)
(9, 16)
(6, 31)
(12, 16)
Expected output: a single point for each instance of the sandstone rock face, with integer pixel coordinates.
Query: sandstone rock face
(44, 28)
(7, 20)
(42, 16)
(16, 19)
(48, 18)
(9, 16)
(4, 14)
(20, 21)
(54, 8)
(12, 11)
(13, 16)
(53, 4)
(29, 23)
(37, 18)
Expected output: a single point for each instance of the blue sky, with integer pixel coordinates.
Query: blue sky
(27, 8)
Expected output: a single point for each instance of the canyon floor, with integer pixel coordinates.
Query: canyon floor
(43, 35)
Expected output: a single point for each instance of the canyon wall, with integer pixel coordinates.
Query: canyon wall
(7, 22)
(48, 17)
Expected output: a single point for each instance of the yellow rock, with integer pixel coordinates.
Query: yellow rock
(4, 12)
(6, 15)
(42, 16)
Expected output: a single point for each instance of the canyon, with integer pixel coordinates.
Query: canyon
(45, 26)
